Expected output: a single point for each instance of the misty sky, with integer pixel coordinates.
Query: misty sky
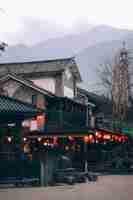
(32, 21)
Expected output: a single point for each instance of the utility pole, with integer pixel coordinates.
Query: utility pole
(88, 113)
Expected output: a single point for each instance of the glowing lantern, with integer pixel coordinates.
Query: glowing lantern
(116, 138)
(40, 121)
(71, 138)
(39, 139)
(98, 135)
(24, 139)
(55, 140)
(119, 139)
(86, 139)
(107, 137)
(9, 139)
(90, 137)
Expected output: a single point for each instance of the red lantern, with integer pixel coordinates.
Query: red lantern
(98, 135)
(116, 138)
(55, 140)
(86, 139)
(107, 137)
(120, 139)
(40, 121)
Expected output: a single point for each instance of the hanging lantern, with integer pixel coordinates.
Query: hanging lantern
(98, 135)
(107, 137)
(39, 139)
(24, 139)
(40, 121)
(116, 138)
(55, 140)
(86, 139)
(71, 138)
(119, 139)
(9, 139)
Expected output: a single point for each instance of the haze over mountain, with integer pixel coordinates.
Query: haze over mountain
(91, 47)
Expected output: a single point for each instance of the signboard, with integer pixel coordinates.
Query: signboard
(33, 125)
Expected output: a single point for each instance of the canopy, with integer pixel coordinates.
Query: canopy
(12, 110)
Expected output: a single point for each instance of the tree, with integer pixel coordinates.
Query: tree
(105, 72)
(3, 45)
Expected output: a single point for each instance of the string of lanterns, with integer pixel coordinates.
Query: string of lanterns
(98, 137)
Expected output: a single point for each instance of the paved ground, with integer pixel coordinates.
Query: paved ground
(107, 188)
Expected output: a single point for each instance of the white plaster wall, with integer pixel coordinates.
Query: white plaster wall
(47, 84)
(68, 92)
(11, 86)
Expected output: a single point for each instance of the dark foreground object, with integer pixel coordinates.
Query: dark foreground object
(71, 176)
(22, 181)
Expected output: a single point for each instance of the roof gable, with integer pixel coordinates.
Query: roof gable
(41, 67)
(27, 83)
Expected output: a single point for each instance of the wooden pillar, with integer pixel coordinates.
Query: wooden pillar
(44, 170)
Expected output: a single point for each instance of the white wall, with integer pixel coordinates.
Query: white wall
(47, 84)
(68, 92)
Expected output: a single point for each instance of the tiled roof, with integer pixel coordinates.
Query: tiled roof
(10, 105)
(43, 66)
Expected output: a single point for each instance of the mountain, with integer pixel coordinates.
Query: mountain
(90, 48)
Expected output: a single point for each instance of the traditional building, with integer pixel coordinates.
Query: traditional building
(59, 77)
(48, 84)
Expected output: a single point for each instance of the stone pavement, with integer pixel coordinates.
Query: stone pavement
(107, 188)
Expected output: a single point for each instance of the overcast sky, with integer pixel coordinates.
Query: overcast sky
(24, 21)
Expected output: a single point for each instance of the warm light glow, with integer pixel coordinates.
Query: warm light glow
(86, 139)
(24, 139)
(90, 137)
(45, 143)
(9, 139)
(98, 135)
(116, 137)
(40, 121)
(71, 138)
(107, 137)
(39, 139)
(55, 140)
(120, 139)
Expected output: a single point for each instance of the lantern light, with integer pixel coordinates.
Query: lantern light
(107, 137)
(45, 143)
(39, 139)
(120, 139)
(90, 137)
(55, 140)
(86, 139)
(98, 135)
(71, 138)
(24, 139)
(9, 139)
